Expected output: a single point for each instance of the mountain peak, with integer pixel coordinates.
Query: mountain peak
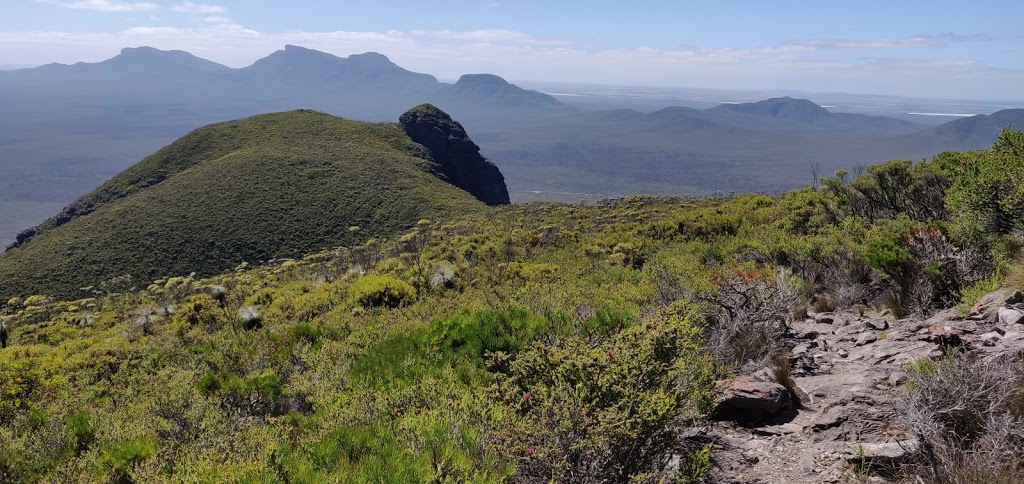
(147, 52)
(492, 89)
(780, 107)
(158, 62)
(144, 49)
(481, 79)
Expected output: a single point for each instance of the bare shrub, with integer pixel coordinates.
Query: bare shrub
(443, 276)
(751, 312)
(968, 415)
(938, 270)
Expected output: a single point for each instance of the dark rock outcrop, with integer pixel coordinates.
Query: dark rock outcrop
(457, 156)
(746, 399)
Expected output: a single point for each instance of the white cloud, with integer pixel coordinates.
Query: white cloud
(489, 35)
(191, 7)
(104, 5)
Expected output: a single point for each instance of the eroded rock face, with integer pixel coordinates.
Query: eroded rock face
(457, 156)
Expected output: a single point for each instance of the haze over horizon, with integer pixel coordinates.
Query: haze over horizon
(923, 49)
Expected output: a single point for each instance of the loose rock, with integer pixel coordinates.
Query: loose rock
(746, 399)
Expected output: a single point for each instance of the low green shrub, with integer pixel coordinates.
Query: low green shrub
(374, 291)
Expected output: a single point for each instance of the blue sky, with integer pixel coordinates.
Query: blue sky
(968, 50)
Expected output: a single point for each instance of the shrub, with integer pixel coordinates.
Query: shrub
(748, 318)
(121, 457)
(82, 432)
(482, 333)
(199, 311)
(254, 395)
(250, 317)
(613, 412)
(968, 415)
(382, 291)
(987, 196)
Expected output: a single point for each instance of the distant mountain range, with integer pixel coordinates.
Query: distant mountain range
(68, 128)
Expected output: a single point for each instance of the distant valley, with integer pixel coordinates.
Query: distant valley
(68, 128)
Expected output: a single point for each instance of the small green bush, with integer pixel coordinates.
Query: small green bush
(374, 291)
(200, 310)
(121, 457)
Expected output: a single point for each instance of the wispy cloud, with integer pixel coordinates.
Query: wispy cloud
(917, 41)
(204, 8)
(103, 5)
(488, 35)
(216, 19)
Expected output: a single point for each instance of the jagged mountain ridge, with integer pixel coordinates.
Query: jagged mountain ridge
(296, 71)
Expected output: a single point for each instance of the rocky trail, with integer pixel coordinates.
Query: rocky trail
(838, 420)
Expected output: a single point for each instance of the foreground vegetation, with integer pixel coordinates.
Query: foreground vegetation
(528, 343)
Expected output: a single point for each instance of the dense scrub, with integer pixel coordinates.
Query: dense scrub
(575, 343)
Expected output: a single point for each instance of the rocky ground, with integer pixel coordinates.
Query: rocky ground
(838, 420)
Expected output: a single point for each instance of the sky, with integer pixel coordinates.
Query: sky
(937, 48)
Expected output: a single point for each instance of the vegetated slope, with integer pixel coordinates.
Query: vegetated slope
(276, 185)
(536, 342)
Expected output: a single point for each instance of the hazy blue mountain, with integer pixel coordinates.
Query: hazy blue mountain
(66, 129)
(969, 133)
(493, 90)
(798, 116)
(296, 67)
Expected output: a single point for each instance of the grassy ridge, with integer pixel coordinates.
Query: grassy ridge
(276, 185)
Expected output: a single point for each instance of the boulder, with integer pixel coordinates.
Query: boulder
(746, 399)
(944, 335)
(1010, 316)
(865, 338)
(987, 308)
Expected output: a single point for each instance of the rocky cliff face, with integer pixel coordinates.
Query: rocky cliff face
(457, 156)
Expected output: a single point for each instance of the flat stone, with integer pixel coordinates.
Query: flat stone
(1010, 316)
(825, 318)
(990, 339)
(882, 453)
(877, 324)
(784, 429)
(806, 334)
(866, 338)
(897, 378)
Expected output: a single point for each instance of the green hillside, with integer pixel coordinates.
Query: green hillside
(270, 186)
